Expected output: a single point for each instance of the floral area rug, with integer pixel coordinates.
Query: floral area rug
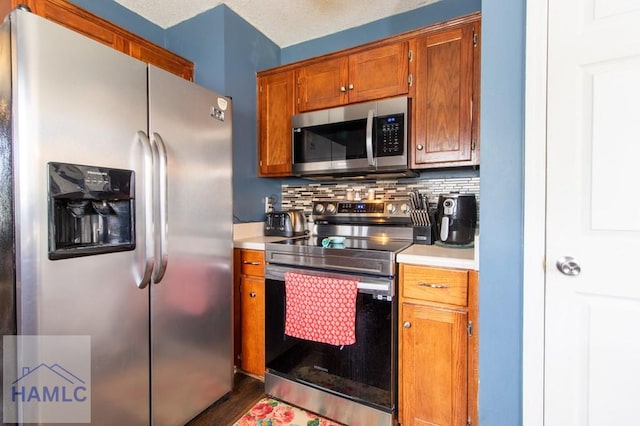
(271, 412)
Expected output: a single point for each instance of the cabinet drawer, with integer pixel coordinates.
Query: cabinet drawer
(252, 263)
(435, 284)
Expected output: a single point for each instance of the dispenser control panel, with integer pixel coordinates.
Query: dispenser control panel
(91, 210)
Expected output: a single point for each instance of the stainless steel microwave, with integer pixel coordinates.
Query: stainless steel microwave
(361, 140)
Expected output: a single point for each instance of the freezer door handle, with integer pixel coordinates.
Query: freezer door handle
(162, 256)
(147, 247)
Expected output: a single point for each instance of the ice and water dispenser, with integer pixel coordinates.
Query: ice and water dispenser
(91, 210)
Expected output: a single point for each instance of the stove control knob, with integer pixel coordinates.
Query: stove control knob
(404, 208)
(391, 208)
(331, 208)
(319, 208)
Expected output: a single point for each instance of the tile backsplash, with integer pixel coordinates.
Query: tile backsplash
(301, 196)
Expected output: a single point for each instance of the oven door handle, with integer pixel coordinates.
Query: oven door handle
(372, 286)
(275, 272)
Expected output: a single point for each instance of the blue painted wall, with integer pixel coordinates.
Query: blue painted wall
(501, 211)
(208, 52)
(227, 52)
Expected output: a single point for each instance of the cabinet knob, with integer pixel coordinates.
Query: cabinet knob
(343, 89)
(351, 87)
(419, 147)
(252, 294)
(406, 324)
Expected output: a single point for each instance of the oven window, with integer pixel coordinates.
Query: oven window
(331, 142)
(363, 371)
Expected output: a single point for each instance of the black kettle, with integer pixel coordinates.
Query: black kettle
(457, 217)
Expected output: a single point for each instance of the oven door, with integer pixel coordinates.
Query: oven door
(364, 372)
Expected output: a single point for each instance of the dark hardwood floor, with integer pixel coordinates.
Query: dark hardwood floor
(246, 392)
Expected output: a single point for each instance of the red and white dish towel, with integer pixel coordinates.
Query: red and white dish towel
(320, 309)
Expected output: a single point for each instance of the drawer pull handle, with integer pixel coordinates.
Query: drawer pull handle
(421, 284)
(246, 262)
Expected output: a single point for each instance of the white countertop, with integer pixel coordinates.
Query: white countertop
(250, 236)
(436, 255)
(255, 243)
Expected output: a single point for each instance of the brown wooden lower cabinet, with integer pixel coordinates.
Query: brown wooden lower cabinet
(438, 346)
(249, 311)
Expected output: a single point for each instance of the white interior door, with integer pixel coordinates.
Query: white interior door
(592, 349)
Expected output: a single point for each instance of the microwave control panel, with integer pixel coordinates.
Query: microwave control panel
(390, 135)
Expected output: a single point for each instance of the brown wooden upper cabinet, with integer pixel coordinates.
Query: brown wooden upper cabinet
(445, 69)
(373, 73)
(437, 66)
(71, 16)
(275, 109)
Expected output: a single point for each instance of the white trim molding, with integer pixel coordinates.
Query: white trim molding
(534, 214)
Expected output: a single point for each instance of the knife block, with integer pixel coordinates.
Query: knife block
(424, 234)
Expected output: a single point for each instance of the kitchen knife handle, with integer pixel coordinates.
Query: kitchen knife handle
(162, 259)
(147, 247)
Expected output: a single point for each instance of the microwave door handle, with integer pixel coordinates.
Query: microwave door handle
(370, 138)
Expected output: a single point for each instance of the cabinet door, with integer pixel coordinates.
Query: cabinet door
(374, 73)
(323, 84)
(275, 108)
(378, 73)
(433, 366)
(443, 98)
(252, 300)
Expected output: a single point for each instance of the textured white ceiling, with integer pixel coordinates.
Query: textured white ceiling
(285, 22)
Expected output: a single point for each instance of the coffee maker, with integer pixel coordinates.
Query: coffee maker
(457, 217)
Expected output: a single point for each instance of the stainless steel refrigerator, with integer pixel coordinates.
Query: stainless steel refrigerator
(116, 220)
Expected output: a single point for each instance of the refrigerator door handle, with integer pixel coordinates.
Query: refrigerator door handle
(160, 152)
(148, 210)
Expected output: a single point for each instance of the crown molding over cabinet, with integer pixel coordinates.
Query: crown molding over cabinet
(71, 16)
